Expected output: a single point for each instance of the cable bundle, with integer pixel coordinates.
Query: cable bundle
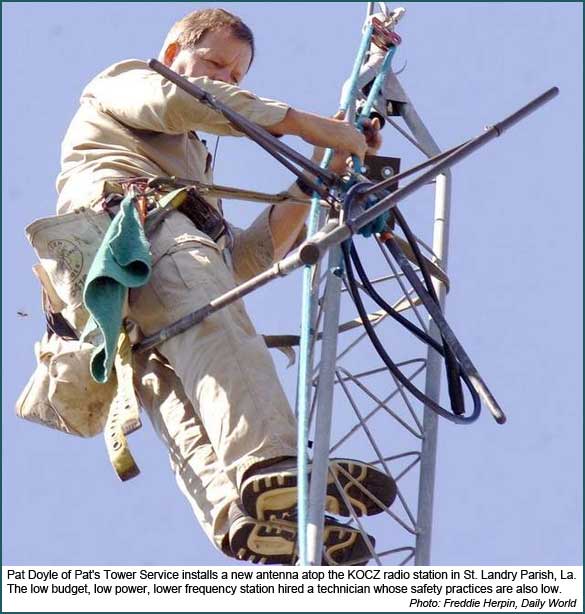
(454, 369)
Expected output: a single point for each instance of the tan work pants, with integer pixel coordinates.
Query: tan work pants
(219, 408)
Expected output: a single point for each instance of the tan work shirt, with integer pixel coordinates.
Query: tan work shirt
(134, 122)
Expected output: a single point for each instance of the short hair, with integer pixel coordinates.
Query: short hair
(189, 30)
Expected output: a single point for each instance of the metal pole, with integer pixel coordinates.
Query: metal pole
(491, 132)
(432, 384)
(428, 458)
(340, 233)
(325, 388)
(307, 342)
(309, 308)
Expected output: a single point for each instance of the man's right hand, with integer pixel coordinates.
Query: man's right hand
(340, 162)
(320, 131)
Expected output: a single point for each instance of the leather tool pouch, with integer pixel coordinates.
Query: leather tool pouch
(203, 215)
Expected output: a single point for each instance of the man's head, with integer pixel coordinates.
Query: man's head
(209, 43)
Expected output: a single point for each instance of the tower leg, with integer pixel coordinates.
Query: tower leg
(325, 385)
(432, 388)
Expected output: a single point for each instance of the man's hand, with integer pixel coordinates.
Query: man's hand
(287, 221)
(341, 159)
(371, 128)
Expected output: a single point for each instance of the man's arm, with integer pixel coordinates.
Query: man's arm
(287, 221)
(140, 98)
(322, 132)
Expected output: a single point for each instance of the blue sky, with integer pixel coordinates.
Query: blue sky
(505, 494)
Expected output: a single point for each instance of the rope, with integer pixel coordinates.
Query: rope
(308, 311)
(309, 289)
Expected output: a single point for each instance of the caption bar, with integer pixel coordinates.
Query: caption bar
(322, 589)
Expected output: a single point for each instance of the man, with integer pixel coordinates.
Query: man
(212, 392)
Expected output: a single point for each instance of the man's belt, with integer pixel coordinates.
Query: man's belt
(204, 216)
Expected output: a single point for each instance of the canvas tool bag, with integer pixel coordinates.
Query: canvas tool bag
(61, 393)
(66, 246)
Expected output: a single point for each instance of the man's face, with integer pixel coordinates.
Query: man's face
(219, 55)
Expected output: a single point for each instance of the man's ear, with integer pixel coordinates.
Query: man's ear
(171, 53)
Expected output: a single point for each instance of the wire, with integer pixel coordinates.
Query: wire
(214, 155)
(375, 296)
(392, 367)
(453, 381)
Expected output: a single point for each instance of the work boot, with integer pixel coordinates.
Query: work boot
(275, 542)
(270, 493)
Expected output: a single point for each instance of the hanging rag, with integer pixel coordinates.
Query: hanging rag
(123, 261)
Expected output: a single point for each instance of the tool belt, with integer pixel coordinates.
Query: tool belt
(148, 193)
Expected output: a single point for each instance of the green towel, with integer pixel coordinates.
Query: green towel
(123, 261)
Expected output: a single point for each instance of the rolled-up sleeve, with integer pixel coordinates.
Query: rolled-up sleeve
(140, 98)
(253, 248)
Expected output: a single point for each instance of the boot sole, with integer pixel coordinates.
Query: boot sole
(274, 543)
(274, 496)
